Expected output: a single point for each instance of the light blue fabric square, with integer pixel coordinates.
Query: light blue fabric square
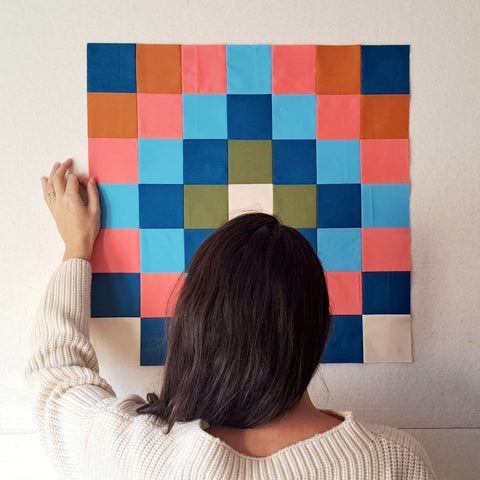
(340, 249)
(385, 205)
(338, 161)
(249, 69)
(294, 117)
(162, 250)
(160, 161)
(119, 205)
(204, 116)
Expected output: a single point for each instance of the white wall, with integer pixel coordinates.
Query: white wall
(43, 119)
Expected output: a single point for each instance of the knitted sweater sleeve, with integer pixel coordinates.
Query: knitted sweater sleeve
(62, 370)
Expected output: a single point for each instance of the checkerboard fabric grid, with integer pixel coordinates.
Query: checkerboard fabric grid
(184, 137)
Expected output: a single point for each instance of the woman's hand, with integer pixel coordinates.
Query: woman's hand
(78, 222)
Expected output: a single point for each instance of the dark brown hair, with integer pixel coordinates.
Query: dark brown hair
(249, 328)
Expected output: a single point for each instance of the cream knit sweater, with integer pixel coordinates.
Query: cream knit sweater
(90, 433)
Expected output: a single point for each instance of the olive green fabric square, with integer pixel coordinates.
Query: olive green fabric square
(206, 206)
(249, 161)
(296, 205)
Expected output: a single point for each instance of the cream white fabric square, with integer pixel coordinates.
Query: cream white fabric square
(387, 338)
(243, 198)
(116, 340)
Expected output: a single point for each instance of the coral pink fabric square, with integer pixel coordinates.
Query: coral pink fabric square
(113, 160)
(157, 289)
(160, 115)
(385, 249)
(204, 69)
(345, 291)
(338, 117)
(116, 250)
(384, 160)
(294, 69)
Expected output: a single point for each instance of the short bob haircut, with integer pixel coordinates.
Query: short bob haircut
(249, 328)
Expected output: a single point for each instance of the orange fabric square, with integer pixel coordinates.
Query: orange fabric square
(159, 293)
(385, 249)
(159, 68)
(384, 160)
(338, 117)
(160, 116)
(345, 291)
(385, 116)
(113, 160)
(204, 69)
(116, 250)
(294, 69)
(112, 115)
(338, 69)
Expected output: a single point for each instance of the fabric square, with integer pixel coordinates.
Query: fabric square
(293, 116)
(116, 341)
(345, 344)
(205, 161)
(115, 295)
(338, 117)
(386, 292)
(385, 205)
(340, 249)
(339, 206)
(162, 250)
(161, 206)
(385, 160)
(295, 205)
(160, 161)
(159, 115)
(111, 67)
(193, 239)
(118, 205)
(113, 160)
(311, 235)
(204, 69)
(345, 292)
(249, 161)
(338, 161)
(387, 338)
(385, 69)
(249, 69)
(385, 116)
(117, 250)
(204, 116)
(112, 115)
(386, 249)
(153, 343)
(294, 161)
(249, 198)
(249, 117)
(294, 69)
(159, 293)
(338, 69)
(159, 68)
(206, 206)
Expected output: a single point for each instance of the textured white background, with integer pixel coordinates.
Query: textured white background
(43, 119)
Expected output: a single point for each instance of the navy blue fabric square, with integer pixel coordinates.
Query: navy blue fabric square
(161, 206)
(386, 292)
(153, 341)
(249, 117)
(115, 295)
(339, 205)
(205, 162)
(294, 162)
(345, 344)
(111, 67)
(385, 69)
(193, 239)
(311, 235)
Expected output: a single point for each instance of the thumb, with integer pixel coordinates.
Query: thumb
(72, 184)
(92, 191)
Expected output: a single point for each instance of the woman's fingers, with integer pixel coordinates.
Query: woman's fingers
(93, 200)
(59, 177)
